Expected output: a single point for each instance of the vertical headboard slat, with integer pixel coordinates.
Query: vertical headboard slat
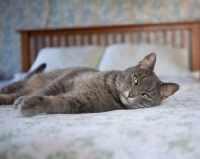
(195, 43)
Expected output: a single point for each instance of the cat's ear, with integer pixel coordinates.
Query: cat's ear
(148, 62)
(167, 89)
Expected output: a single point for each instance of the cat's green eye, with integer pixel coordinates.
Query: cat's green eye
(135, 80)
(145, 95)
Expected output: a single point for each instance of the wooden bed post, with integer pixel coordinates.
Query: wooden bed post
(25, 51)
(195, 47)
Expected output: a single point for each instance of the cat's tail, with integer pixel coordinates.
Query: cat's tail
(16, 86)
(39, 69)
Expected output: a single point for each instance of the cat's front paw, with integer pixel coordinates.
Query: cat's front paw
(18, 101)
(31, 105)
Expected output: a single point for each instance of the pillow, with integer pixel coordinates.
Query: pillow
(64, 57)
(169, 62)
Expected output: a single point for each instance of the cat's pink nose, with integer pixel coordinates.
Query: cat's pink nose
(130, 95)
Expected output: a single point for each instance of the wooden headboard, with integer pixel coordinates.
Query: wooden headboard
(184, 35)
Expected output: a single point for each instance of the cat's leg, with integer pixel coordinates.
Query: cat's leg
(8, 93)
(60, 86)
(57, 87)
(79, 102)
(8, 99)
(12, 88)
(33, 105)
(19, 100)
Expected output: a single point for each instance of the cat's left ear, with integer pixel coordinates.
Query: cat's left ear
(148, 62)
(167, 89)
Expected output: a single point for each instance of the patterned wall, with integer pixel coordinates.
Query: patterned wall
(26, 14)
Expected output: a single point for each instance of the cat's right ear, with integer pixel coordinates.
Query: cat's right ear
(148, 62)
(167, 89)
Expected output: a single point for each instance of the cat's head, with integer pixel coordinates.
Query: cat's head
(141, 87)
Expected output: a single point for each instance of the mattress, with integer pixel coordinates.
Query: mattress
(167, 131)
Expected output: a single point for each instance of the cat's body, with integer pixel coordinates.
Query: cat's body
(86, 90)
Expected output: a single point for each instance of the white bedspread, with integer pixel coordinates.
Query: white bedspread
(169, 131)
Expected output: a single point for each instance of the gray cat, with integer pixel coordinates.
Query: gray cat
(86, 90)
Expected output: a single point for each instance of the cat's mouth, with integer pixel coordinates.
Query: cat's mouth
(125, 99)
(130, 104)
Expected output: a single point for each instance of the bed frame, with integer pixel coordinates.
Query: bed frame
(183, 35)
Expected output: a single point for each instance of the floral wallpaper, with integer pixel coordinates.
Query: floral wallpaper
(26, 14)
